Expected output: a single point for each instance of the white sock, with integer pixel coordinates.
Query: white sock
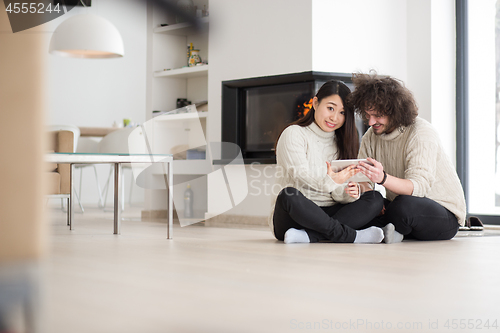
(369, 235)
(391, 235)
(296, 236)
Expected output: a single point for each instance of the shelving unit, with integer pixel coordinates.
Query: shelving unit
(169, 78)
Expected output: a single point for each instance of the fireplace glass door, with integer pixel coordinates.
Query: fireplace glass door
(270, 108)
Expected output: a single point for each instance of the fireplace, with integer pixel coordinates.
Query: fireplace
(256, 110)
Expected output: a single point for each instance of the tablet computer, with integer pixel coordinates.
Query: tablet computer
(338, 165)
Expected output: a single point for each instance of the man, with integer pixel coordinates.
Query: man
(425, 200)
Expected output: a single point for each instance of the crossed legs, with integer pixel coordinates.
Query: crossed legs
(419, 218)
(337, 223)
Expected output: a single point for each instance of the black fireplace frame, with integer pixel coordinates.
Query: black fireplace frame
(233, 113)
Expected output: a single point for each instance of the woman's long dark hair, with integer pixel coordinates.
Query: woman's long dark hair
(346, 137)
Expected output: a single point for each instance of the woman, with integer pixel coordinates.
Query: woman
(315, 203)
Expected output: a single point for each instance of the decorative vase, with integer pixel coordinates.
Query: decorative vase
(194, 58)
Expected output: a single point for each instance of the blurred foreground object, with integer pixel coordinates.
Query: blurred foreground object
(22, 222)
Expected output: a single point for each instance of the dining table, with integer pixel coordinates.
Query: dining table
(117, 160)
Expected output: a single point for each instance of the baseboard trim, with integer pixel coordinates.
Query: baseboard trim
(155, 214)
(221, 221)
(236, 221)
(161, 215)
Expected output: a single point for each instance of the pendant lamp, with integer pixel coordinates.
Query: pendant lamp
(87, 36)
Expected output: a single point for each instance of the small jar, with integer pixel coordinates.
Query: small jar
(194, 58)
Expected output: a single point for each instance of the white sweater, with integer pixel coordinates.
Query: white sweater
(301, 155)
(415, 153)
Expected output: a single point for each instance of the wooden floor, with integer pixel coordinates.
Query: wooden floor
(236, 280)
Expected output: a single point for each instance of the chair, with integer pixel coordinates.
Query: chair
(58, 175)
(76, 135)
(117, 143)
(71, 128)
(89, 145)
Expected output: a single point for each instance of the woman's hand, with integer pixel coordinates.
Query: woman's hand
(343, 175)
(352, 189)
(374, 172)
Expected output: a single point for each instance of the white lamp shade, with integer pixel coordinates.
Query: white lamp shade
(86, 36)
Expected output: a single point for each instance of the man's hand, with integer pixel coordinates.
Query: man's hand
(394, 184)
(343, 175)
(374, 172)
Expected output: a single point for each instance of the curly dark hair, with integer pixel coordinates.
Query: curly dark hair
(385, 95)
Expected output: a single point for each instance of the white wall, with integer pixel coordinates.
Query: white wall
(418, 32)
(98, 92)
(443, 73)
(431, 65)
(359, 35)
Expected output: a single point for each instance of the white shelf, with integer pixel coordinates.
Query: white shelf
(181, 116)
(184, 72)
(181, 29)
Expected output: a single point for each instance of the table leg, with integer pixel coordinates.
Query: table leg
(71, 210)
(68, 210)
(170, 200)
(118, 198)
